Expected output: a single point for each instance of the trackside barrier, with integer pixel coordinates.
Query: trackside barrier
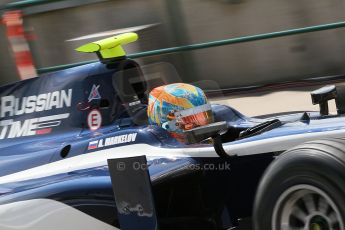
(205, 45)
(26, 3)
(17, 39)
(284, 33)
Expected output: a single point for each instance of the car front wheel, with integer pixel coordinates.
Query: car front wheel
(304, 189)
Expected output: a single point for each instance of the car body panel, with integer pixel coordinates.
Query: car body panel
(65, 167)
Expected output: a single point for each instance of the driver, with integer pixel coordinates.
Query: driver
(178, 107)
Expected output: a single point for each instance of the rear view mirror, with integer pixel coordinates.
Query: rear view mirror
(214, 131)
(199, 134)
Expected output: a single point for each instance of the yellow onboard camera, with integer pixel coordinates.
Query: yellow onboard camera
(109, 48)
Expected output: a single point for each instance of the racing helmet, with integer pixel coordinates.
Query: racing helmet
(178, 107)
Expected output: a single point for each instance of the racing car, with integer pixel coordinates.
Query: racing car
(77, 152)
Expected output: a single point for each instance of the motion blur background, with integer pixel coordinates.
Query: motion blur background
(169, 23)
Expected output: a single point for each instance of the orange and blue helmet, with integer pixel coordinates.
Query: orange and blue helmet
(178, 107)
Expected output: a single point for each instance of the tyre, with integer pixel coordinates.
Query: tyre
(303, 189)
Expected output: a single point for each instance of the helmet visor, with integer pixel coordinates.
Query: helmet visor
(190, 118)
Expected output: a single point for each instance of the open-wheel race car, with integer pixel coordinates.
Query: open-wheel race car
(77, 152)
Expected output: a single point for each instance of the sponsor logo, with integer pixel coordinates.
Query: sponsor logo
(134, 103)
(11, 106)
(94, 120)
(30, 127)
(94, 94)
(111, 141)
